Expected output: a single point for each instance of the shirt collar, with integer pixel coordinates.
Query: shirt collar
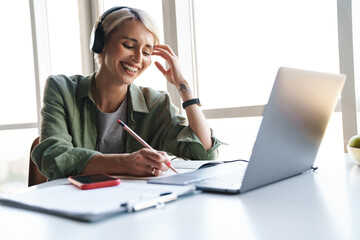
(137, 99)
(84, 89)
(136, 95)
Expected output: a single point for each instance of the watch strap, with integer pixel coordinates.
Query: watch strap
(191, 102)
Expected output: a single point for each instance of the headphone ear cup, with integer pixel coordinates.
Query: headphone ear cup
(98, 38)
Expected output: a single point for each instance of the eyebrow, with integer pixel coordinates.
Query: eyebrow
(136, 41)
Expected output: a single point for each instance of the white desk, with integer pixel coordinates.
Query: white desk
(320, 205)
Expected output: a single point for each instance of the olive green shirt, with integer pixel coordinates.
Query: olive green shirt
(69, 126)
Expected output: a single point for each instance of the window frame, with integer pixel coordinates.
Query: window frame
(346, 60)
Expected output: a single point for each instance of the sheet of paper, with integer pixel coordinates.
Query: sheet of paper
(167, 173)
(182, 166)
(189, 164)
(71, 200)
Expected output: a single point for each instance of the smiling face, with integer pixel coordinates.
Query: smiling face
(127, 53)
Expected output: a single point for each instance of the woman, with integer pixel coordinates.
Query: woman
(79, 130)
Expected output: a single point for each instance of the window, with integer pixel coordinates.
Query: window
(64, 37)
(61, 34)
(14, 163)
(17, 92)
(241, 44)
(17, 96)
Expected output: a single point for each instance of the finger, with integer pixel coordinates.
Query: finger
(158, 165)
(165, 57)
(164, 54)
(147, 168)
(165, 47)
(167, 159)
(169, 59)
(156, 172)
(160, 67)
(166, 163)
(153, 170)
(163, 167)
(152, 157)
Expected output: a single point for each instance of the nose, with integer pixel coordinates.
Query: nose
(137, 57)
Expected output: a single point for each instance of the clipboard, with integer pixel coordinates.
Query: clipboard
(97, 204)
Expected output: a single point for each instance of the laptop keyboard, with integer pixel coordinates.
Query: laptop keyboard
(230, 180)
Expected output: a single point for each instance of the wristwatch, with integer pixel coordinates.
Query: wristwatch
(191, 102)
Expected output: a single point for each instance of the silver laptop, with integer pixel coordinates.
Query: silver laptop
(293, 125)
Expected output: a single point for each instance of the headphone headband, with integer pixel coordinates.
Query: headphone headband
(98, 36)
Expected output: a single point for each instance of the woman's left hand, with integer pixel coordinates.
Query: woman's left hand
(173, 74)
(196, 119)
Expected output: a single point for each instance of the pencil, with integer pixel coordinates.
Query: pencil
(145, 144)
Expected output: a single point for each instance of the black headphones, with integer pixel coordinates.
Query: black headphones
(98, 36)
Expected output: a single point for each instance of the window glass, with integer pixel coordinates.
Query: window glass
(333, 143)
(240, 134)
(14, 162)
(17, 91)
(152, 77)
(241, 44)
(64, 37)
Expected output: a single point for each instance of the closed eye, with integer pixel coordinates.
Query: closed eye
(127, 46)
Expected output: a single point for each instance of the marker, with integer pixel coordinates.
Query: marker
(145, 144)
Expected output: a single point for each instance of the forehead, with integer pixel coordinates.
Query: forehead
(135, 30)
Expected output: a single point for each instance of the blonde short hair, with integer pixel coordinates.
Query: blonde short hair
(116, 18)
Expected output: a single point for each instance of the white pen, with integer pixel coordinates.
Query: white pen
(147, 203)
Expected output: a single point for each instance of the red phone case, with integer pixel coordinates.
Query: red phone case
(85, 186)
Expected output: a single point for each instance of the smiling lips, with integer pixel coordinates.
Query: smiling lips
(129, 67)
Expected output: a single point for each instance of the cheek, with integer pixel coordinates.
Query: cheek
(147, 62)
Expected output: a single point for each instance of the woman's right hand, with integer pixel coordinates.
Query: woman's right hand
(139, 163)
(142, 163)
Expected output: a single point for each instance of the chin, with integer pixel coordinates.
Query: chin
(128, 81)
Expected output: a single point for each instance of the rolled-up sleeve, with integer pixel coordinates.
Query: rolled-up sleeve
(56, 156)
(196, 149)
(173, 135)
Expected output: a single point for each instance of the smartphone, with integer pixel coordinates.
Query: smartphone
(91, 181)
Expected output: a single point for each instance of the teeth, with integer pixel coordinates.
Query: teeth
(131, 68)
